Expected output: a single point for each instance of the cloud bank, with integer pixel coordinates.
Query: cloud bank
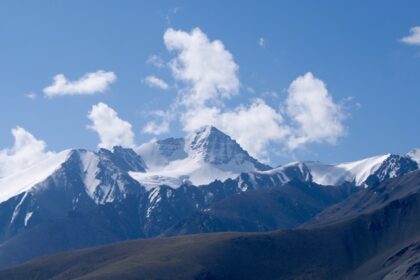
(90, 83)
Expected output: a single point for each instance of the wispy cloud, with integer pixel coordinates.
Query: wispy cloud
(171, 13)
(261, 42)
(31, 95)
(90, 83)
(158, 127)
(156, 61)
(270, 94)
(156, 82)
(414, 37)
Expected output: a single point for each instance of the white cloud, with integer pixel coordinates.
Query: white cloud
(26, 151)
(253, 126)
(156, 82)
(30, 95)
(270, 94)
(309, 115)
(156, 61)
(171, 13)
(209, 76)
(89, 84)
(158, 127)
(414, 37)
(261, 42)
(315, 117)
(112, 130)
(205, 65)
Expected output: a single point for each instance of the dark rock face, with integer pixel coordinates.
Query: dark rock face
(124, 158)
(286, 206)
(393, 166)
(172, 148)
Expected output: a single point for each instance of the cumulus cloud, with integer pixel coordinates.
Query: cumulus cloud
(209, 76)
(26, 151)
(414, 37)
(112, 130)
(89, 84)
(205, 66)
(156, 82)
(314, 115)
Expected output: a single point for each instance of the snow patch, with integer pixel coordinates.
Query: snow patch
(152, 181)
(24, 180)
(336, 174)
(90, 169)
(204, 156)
(154, 199)
(17, 209)
(28, 216)
(189, 170)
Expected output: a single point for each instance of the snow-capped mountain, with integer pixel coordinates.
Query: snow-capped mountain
(363, 172)
(274, 177)
(208, 154)
(89, 198)
(68, 181)
(213, 146)
(101, 172)
(201, 157)
(24, 180)
(105, 173)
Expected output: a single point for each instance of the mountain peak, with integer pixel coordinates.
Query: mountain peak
(211, 144)
(205, 136)
(216, 147)
(125, 158)
(206, 132)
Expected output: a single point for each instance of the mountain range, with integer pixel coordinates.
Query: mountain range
(374, 234)
(204, 183)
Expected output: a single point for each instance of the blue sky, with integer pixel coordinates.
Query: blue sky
(354, 47)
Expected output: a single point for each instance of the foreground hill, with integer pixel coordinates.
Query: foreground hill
(379, 239)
